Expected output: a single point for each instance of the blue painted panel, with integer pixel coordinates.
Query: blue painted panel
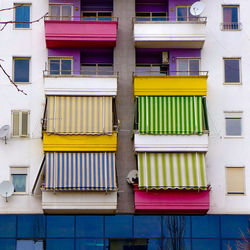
(154, 244)
(119, 226)
(205, 226)
(7, 226)
(60, 244)
(21, 71)
(233, 226)
(169, 224)
(87, 244)
(31, 226)
(60, 226)
(234, 244)
(89, 226)
(205, 244)
(147, 226)
(7, 244)
(22, 15)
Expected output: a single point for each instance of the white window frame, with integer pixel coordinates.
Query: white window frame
(14, 16)
(244, 175)
(60, 70)
(224, 70)
(238, 12)
(61, 5)
(13, 68)
(15, 170)
(178, 59)
(233, 114)
(20, 123)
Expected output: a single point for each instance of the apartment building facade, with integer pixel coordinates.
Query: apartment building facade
(132, 131)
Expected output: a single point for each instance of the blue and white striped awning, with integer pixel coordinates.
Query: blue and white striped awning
(80, 171)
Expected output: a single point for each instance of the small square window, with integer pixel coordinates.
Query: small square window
(232, 70)
(233, 124)
(19, 179)
(60, 66)
(183, 14)
(230, 18)
(60, 12)
(22, 16)
(20, 123)
(235, 180)
(21, 70)
(188, 66)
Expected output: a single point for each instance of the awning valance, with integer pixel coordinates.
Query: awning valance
(80, 171)
(79, 115)
(172, 171)
(170, 115)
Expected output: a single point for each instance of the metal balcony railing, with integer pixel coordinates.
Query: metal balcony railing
(80, 18)
(190, 19)
(70, 73)
(231, 26)
(170, 73)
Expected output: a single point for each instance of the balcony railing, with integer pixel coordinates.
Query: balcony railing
(170, 73)
(72, 73)
(192, 19)
(79, 18)
(231, 26)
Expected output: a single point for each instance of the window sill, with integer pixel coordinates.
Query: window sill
(235, 194)
(22, 82)
(20, 193)
(232, 83)
(233, 137)
(22, 28)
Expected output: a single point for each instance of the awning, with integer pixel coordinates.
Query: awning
(79, 115)
(170, 115)
(80, 171)
(172, 171)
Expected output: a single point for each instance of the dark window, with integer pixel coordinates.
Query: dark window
(22, 17)
(21, 69)
(19, 182)
(232, 70)
(60, 66)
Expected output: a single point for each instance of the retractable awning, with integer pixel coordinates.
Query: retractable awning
(172, 171)
(80, 171)
(171, 114)
(79, 115)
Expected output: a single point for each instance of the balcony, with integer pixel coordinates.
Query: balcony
(171, 143)
(76, 33)
(79, 143)
(79, 202)
(80, 84)
(171, 201)
(171, 83)
(170, 33)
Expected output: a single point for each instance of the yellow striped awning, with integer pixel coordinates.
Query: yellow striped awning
(79, 115)
(80, 171)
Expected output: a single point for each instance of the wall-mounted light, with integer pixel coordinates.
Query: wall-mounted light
(173, 59)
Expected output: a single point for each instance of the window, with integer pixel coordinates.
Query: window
(188, 66)
(30, 244)
(60, 66)
(60, 12)
(21, 70)
(151, 16)
(183, 14)
(232, 70)
(233, 123)
(97, 69)
(19, 179)
(152, 69)
(97, 15)
(235, 180)
(20, 123)
(22, 16)
(230, 18)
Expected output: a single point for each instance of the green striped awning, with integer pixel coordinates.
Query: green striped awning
(172, 171)
(170, 115)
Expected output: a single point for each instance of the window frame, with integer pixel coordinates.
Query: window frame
(224, 71)
(150, 16)
(61, 5)
(233, 115)
(188, 13)
(20, 170)
(238, 13)
(60, 70)
(97, 71)
(14, 16)
(151, 67)
(178, 59)
(244, 183)
(13, 68)
(97, 14)
(20, 112)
